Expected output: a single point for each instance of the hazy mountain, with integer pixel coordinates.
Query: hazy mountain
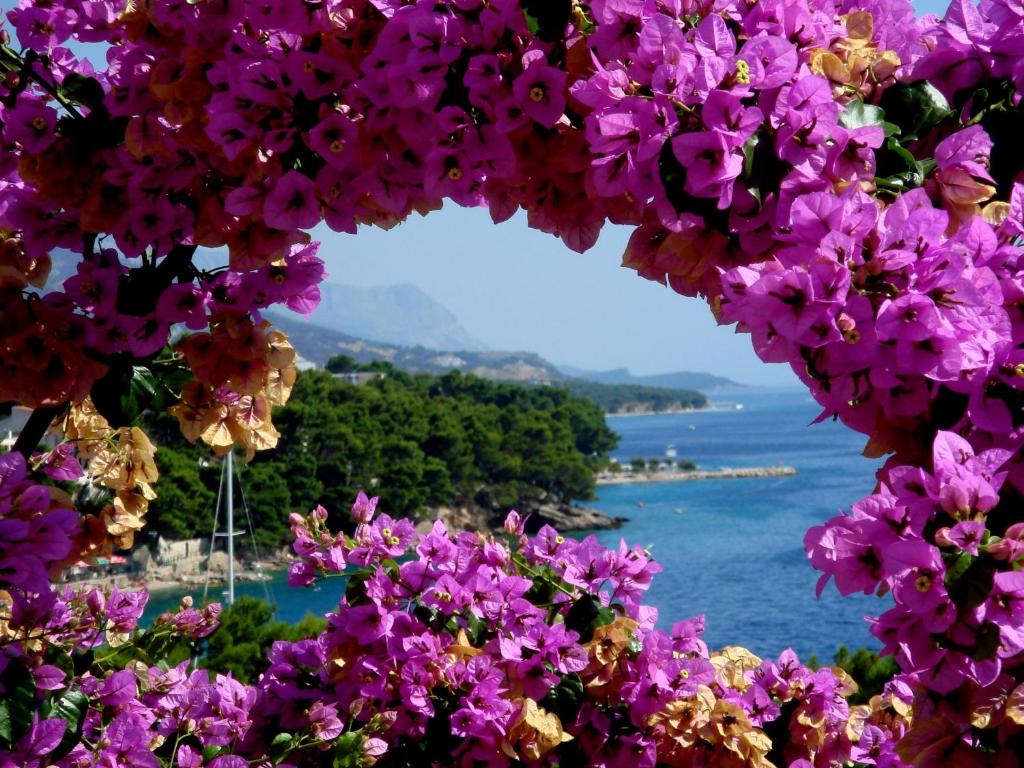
(318, 344)
(395, 314)
(705, 382)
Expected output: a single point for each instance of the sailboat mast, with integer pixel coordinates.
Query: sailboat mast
(230, 470)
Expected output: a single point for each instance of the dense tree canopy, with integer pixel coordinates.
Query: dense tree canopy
(421, 440)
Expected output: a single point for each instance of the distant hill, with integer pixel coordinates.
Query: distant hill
(318, 345)
(395, 314)
(705, 382)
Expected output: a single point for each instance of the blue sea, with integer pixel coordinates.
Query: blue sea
(734, 553)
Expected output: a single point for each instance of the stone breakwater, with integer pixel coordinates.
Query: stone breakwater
(625, 478)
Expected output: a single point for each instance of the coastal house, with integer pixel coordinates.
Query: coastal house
(169, 552)
(360, 377)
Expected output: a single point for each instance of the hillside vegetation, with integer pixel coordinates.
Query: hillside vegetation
(418, 440)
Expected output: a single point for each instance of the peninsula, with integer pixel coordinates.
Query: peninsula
(675, 476)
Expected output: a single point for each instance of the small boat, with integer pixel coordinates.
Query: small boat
(678, 510)
(692, 427)
(640, 504)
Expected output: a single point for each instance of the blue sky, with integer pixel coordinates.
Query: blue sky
(514, 288)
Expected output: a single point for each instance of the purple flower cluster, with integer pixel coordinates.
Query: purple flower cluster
(937, 539)
(538, 648)
(37, 526)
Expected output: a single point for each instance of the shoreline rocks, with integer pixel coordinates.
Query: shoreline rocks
(545, 510)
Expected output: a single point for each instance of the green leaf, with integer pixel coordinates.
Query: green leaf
(565, 698)
(348, 750)
(957, 567)
(635, 644)
(475, 628)
(18, 704)
(988, 642)
(61, 659)
(82, 90)
(748, 155)
(211, 752)
(916, 108)
(282, 739)
(71, 707)
(972, 587)
(857, 114)
(547, 19)
(605, 616)
(582, 616)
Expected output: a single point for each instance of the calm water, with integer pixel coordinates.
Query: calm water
(735, 553)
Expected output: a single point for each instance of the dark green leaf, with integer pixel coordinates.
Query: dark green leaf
(282, 739)
(857, 114)
(972, 587)
(635, 645)
(916, 108)
(582, 615)
(547, 19)
(565, 698)
(957, 567)
(18, 704)
(988, 642)
(61, 659)
(475, 628)
(71, 707)
(211, 752)
(605, 616)
(748, 155)
(348, 750)
(82, 90)
(6, 730)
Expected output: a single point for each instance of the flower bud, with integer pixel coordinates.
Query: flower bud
(96, 601)
(364, 508)
(514, 524)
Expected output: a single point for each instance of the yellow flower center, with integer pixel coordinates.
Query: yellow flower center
(851, 336)
(923, 583)
(386, 533)
(454, 174)
(337, 145)
(559, 539)
(308, 67)
(39, 123)
(393, 541)
(537, 93)
(742, 72)
(684, 673)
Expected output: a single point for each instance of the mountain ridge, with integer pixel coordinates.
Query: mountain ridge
(400, 314)
(705, 382)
